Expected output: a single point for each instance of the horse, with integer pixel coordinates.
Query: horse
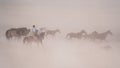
(103, 36)
(42, 28)
(52, 32)
(37, 38)
(16, 32)
(77, 35)
(91, 36)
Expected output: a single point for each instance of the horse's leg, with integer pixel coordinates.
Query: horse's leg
(41, 43)
(24, 41)
(10, 38)
(28, 43)
(46, 35)
(37, 44)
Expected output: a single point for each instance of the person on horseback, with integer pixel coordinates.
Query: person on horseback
(34, 30)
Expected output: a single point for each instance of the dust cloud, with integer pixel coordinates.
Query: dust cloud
(59, 52)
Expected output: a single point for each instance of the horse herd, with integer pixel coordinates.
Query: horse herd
(23, 32)
(92, 36)
(19, 33)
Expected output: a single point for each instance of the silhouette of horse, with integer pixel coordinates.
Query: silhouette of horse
(43, 28)
(91, 36)
(77, 35)
(16, 32)
(98, 36)
(38, 38)
(103, 36)
(52, 32)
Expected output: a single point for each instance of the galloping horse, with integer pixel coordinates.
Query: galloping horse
(77, 35)
(98, 36)
(38, 38)
(52, 32)
(103, 36)
(91, 36)
(43, 28)
(16, 32)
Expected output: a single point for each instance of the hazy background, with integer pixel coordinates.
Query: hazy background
(68, 16)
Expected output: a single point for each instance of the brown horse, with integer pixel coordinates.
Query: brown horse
(77, 35)
(52, 32)
(38, 38)
(16, 32)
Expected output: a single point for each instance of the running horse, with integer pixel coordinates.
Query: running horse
(91, 36)
(77, 35)
(103, 36)
(37, 38)
(16, 33)
(52, 32)
(98, 36)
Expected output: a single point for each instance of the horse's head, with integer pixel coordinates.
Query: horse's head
(109, 32)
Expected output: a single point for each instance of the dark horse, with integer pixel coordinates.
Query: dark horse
(16, 32)
(37, 38)
(77, 35)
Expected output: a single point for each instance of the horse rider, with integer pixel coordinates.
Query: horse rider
(34, 30)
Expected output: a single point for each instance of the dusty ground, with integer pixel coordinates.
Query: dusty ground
(59, 53)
